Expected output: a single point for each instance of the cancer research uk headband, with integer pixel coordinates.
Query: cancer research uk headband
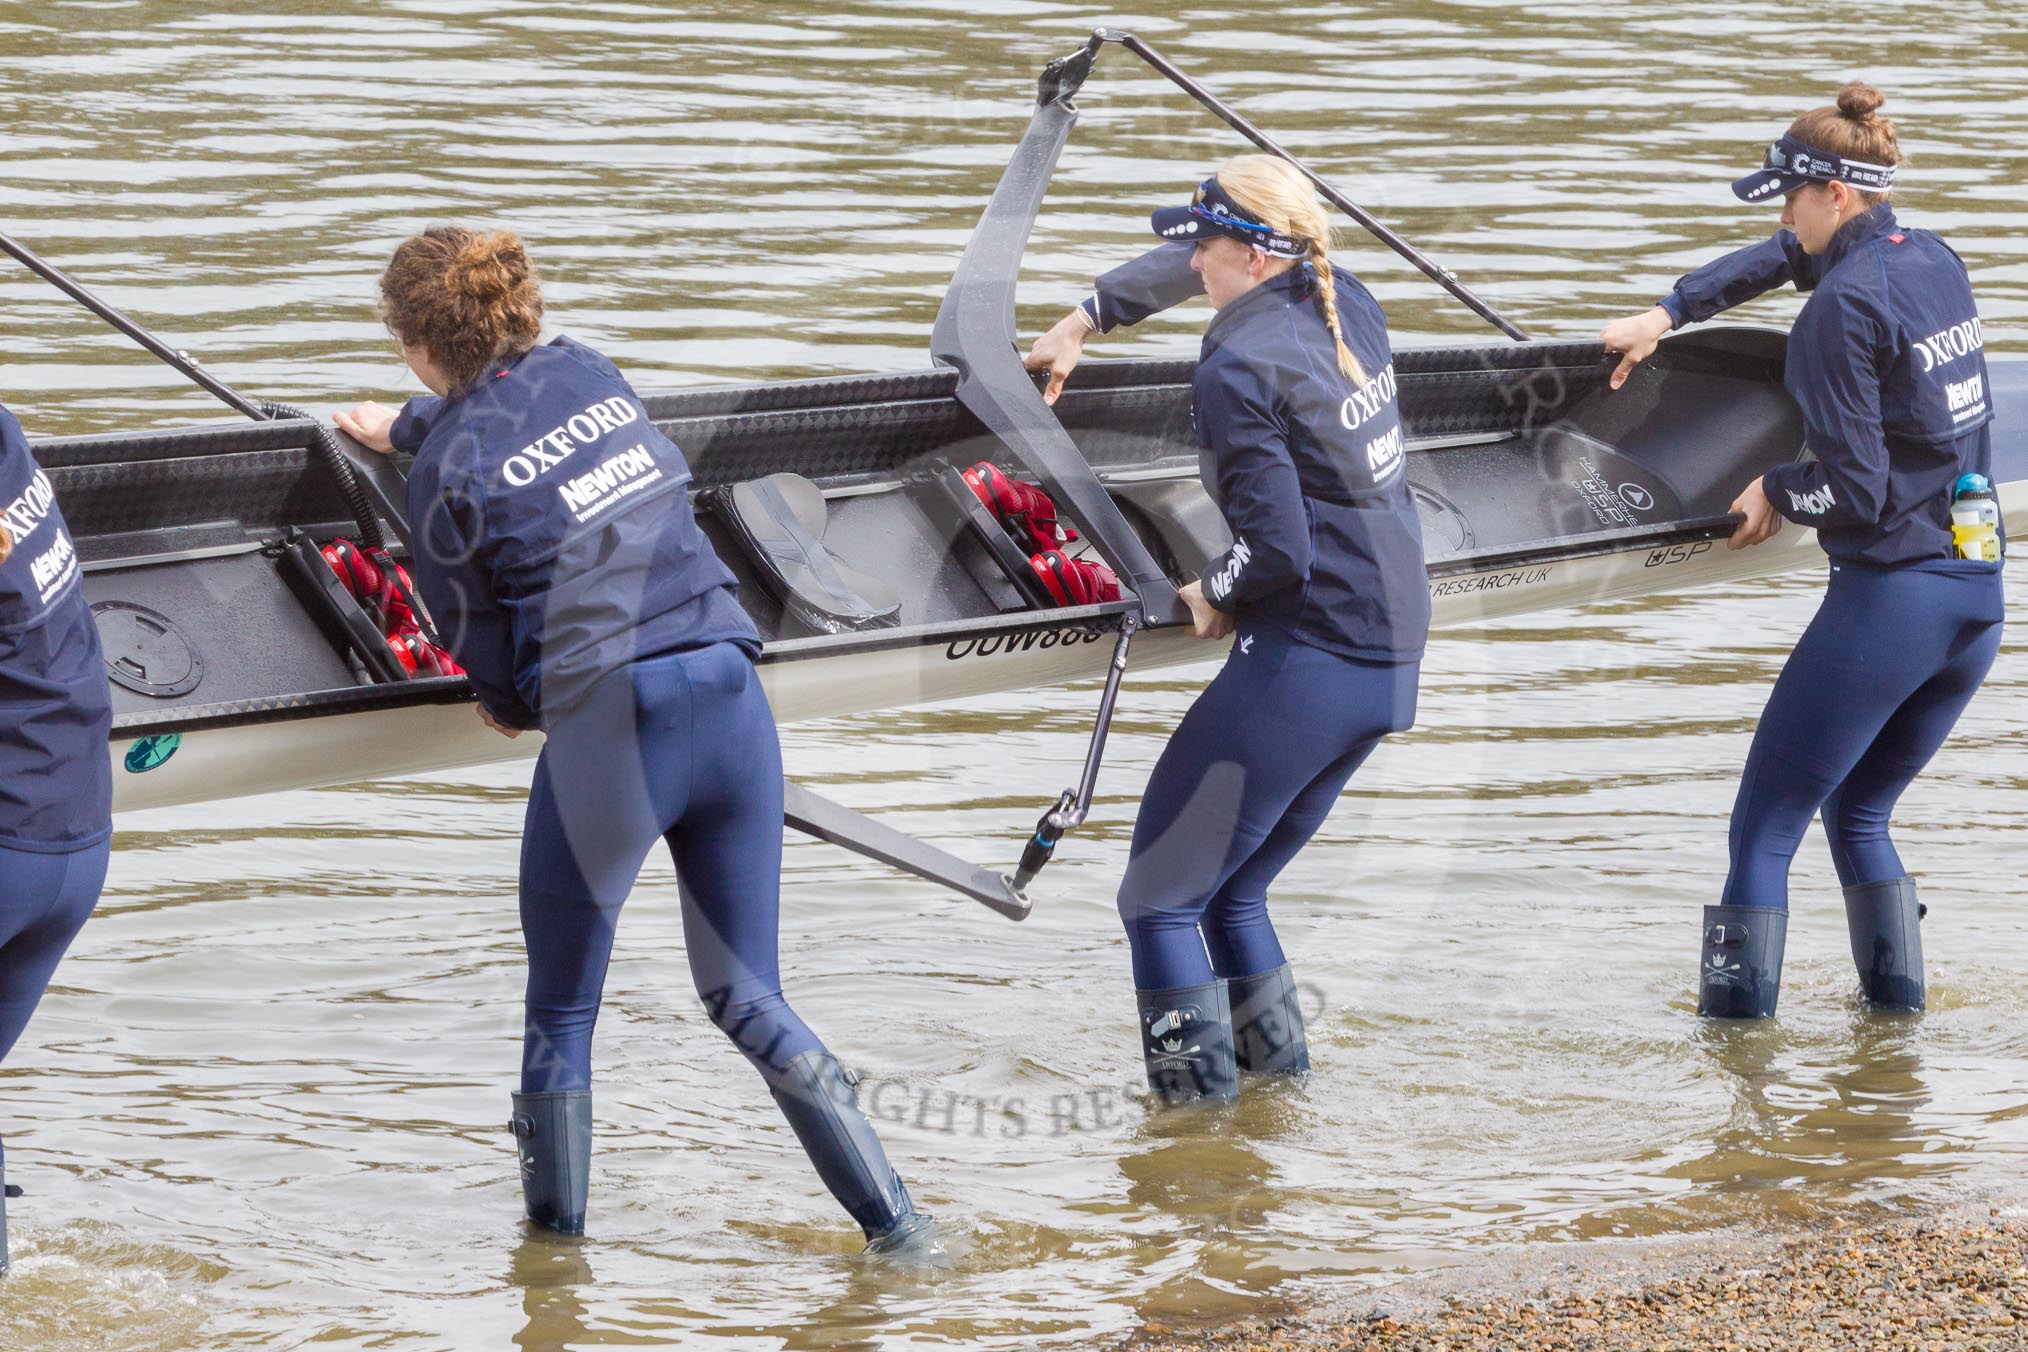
(1790, 164)
(1212, 212)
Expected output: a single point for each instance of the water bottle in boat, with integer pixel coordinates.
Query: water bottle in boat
(1975, 519)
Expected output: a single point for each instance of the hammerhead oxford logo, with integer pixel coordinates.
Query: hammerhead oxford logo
(152, 752)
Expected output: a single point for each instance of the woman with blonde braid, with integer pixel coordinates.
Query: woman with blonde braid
(1324, 586)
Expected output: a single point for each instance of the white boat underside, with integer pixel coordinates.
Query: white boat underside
(314, 752)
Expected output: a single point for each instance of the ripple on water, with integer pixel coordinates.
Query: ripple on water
(87, 1283)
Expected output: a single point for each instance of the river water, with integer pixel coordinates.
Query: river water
(262, 1104)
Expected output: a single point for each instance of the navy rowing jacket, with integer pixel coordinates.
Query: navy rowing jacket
(1887, 363)
(554, 539)
(1308, 470)
(56, 714)
(1154, 281)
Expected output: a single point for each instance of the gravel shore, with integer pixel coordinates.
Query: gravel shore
(1926, 1285)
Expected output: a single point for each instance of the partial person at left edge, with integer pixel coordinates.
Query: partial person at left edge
(56, 717)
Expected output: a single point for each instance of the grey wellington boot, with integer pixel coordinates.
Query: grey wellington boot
(1186, 1041)
(1267, 1023)
(818, 1098)
(1740, 973)
(552, 1135)
(1885, 922)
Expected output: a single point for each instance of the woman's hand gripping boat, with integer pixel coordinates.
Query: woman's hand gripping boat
(876, 577)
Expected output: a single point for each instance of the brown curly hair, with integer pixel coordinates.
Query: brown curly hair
(1852, 129)
(469, 296)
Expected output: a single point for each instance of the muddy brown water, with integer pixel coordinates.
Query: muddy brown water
(261, 1105)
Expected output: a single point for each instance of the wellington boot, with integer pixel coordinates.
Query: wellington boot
(1267, 1023)
(817, 1096)
(1740, 975)
(1885, 922)
(552, 1134)
(1186, 1042)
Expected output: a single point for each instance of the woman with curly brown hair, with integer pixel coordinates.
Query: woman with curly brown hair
(556, 547)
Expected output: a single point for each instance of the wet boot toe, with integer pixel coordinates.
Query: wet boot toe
(914, 1239)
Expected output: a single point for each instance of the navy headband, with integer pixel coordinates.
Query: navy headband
(1791, 163)
(1213, 212)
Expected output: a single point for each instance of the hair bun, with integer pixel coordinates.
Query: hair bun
(1859, 100)
(490, 266)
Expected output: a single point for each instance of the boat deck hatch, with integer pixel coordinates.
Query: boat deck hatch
(207, 631)
(145, 651)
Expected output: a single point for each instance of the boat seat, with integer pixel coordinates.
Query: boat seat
(1189, 523)
(779, 523)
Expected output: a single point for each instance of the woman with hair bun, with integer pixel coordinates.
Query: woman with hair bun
(1324, 586)
(1886, 364)
(556, 548)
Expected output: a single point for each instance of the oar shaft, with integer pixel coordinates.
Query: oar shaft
(86, 297)
(1431, 269)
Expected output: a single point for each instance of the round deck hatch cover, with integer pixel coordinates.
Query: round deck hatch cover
(145, 651)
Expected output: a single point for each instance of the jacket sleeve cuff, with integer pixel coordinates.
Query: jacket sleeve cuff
(1673, 305)
(411, 425)
(1776, 484)
(507, 710)
(1089, 308)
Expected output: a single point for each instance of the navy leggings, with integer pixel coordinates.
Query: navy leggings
(680, 748)
(1873, 688)
(44, 901)
(1247, 778)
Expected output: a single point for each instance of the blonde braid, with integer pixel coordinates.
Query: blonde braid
(1327, 301)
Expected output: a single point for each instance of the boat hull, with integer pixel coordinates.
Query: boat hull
(315, 752)
(1539, 489)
